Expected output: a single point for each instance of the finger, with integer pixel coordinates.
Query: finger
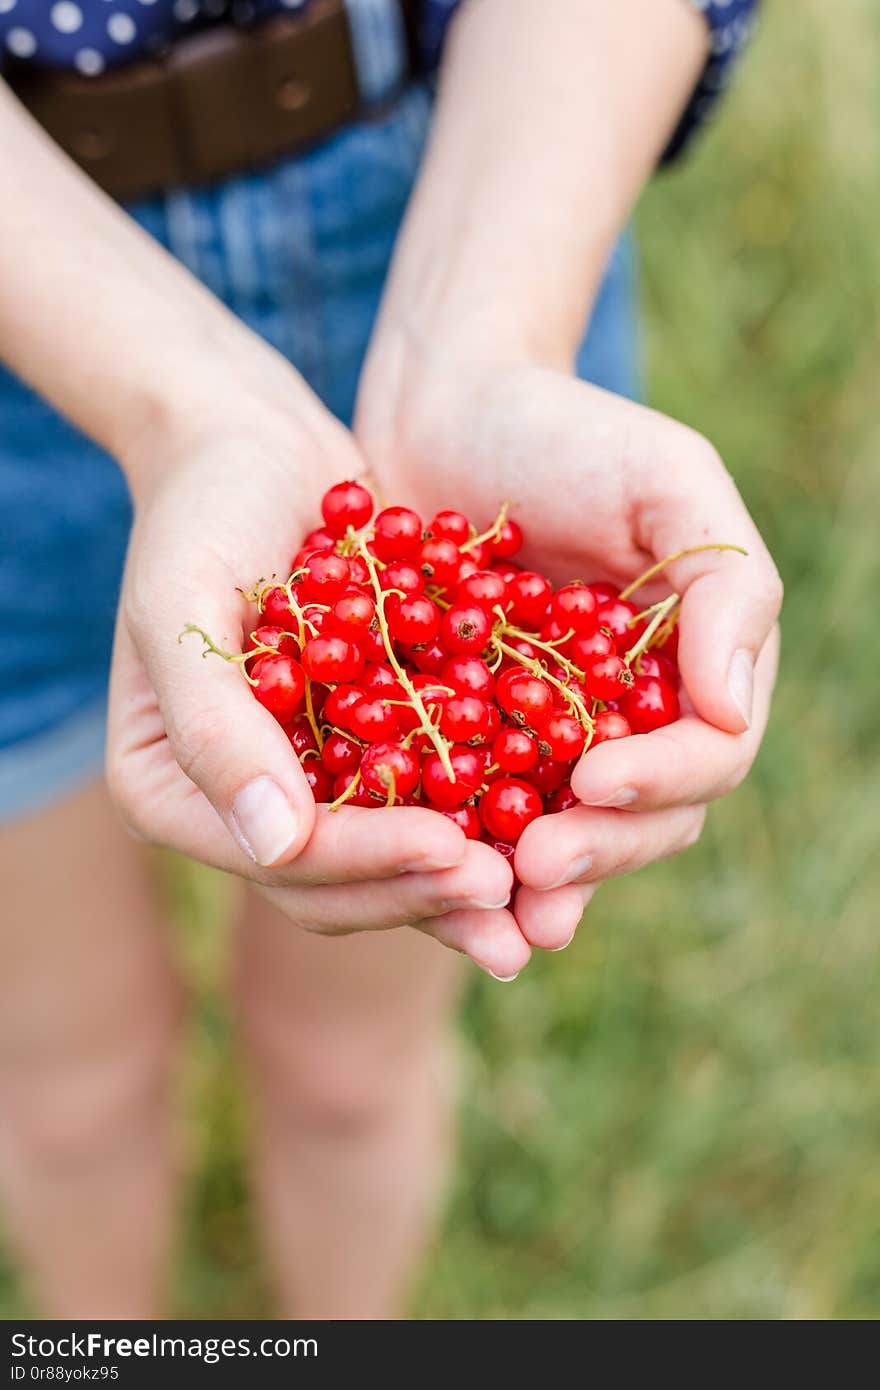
(482, 882)
(228, 746)
(549, 920)
(730, 602)
(685, 763)
(585, 845)
(493, 940)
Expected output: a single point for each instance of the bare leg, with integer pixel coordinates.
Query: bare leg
(87, 1021)
(348, 1044)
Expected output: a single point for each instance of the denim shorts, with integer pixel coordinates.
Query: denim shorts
(300, 253)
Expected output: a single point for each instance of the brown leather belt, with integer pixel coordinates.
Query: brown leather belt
(219, 102)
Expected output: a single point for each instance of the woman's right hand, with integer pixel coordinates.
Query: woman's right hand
(196, 764)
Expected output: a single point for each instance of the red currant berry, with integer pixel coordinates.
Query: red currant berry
(358, 572)
(650, 704)
(583, 651)
(326, 579)
(493, 722)
(561, 800)
(609, 724)
(606, 677)
(469, 676)
(333, 660)
(618, 616)
(373, 721)
(346, 504)
(465, 630)
(276, 607)
(656, 664)
(302, 740)
(514, 751)
(453, 526)
(508, 540)
(266, 636)
(484, 589)
(502, 847)
(340, 754)
(526, 698)
(467, 567)
(353, 614)
(280, 686)
(508, 806)
(528, 594)
(547, 775)
(359, 797)
(574, 608)
(319, 780)
(464, 718)
(466, 818)
(402, 575)
(380, 679)
(413, 621)
(389, 769)
(604, 592)
(319, 540)
(468, 768)
(562, 738)
(430, 660)
(397, 534)
(439, 561)
(670, 646)
(340, 703)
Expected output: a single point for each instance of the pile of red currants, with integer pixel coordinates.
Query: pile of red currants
(420, 665)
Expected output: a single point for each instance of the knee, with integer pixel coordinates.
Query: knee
(336, 1079)
(65, 1112)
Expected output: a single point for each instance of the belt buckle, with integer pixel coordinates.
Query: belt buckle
(243, 97)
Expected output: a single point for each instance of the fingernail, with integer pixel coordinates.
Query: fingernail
(263, 820)
(624, 796)
(554, 949)
(740, 682)
(576, 869)
(502, 979)
(484, 906)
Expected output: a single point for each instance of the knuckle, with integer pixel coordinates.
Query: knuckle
(195, 737)
(121, 787)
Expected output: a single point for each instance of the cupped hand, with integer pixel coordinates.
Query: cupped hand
(195, 763)
(603, 488)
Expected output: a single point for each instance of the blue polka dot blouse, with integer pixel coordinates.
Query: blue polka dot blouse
(91, 35)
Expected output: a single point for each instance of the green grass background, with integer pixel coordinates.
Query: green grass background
(680, 1116)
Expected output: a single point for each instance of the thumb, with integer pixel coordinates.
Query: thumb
(231, 748)
(730, 602)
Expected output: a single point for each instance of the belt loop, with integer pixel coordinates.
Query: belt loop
(378, 40)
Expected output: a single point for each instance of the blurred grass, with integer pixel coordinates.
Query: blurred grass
(680, 1117)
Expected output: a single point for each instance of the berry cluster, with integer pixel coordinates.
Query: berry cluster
(422, 665)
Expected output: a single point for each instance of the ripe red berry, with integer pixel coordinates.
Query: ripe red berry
(508, 806)
(333, 660)
(619, 615)
(302, 740)
(280, 686)
(276, 607)
(466, 818)
(326, 579)
(319, 780)
(389, 768)
(465, 630)
(358, 573)
(562, 738)
(656, 663)
(340, 703)
(402, 575)
(468, 768)
(353, 615)
(514, 751)
(453, 526)
(429, 660)
(373, 721)
(604, 591)
(484, 589)
(413, 621)
(346, 504)
(649, 704)
(574, 608)
(526, 698)
(439, 561)
(464, 718)
(340, 754)
(398, 534)
(266, 636)
(547, 775)
(319, 540)
(508, 540)
(609, 724)
(561, 800)
(582, 651)
(528, 594)
(607, 677)
(469, 676)
(360, 796)
(380, 678)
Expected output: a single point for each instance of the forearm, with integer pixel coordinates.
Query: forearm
(549, 120)
(105, 324)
